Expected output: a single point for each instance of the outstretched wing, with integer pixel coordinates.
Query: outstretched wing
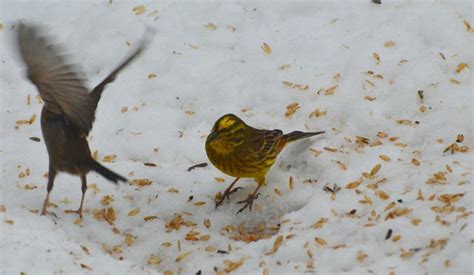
(147, 37)
(60, 84)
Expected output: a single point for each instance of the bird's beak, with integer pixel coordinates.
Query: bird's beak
(212, 136)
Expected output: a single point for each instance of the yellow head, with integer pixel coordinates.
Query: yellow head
(227, 134)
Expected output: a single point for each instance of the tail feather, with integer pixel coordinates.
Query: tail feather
(106, 173)
(297, 135)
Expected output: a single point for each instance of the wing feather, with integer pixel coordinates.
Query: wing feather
(266, 143)
(60, 84)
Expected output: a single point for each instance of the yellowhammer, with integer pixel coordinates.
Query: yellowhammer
(242, 151)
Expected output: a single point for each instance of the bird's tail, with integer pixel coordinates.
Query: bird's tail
(297, 135)
(106, 173)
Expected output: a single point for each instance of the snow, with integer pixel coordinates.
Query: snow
(208, 73)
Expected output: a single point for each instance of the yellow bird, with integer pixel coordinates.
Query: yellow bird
(242, 151)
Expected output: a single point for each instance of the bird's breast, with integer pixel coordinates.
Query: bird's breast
(238, 163)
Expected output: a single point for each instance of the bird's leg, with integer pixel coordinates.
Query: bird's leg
(84, 189)
(249, 201)
(228, 192)
(51, 176)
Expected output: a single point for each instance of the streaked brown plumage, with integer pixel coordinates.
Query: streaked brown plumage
(242, 151)
(69, 109)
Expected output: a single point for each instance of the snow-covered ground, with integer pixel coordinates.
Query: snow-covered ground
(353, 68)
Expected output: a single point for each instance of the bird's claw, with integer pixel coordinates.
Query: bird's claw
(45, 212)
(248, 202)
(233, 191)
(218, 203)
(78, 211)
(226, 195)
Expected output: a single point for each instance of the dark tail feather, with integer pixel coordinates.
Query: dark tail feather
(106, 173)
(297, 135)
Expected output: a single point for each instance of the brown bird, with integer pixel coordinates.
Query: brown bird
(69, 109)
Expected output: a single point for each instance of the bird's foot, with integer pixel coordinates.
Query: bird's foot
(78, 211)
(226, 195)
(45, 212)
(248, 202)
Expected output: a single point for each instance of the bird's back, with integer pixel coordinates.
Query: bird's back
(253, 158)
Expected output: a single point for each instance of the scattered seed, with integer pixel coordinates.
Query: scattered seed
(211, 26)
(330, 149)
(149, 218)
(317, 113)
(382, 135)
(266, 48)
(384, 157)
(375, 169)
(276, 245)
(291, 109)
(320, 241)
(330, 90)
(468, 26)
(404, 122)
(154, 260)
(139, 10)
(454, 81)
(109, 158)
(134, 212)
(361, 256)
(420, 95)
(182, 256)
(142, 182)
(85, 266)
(376, 57)
(382, 195)
(353, 185)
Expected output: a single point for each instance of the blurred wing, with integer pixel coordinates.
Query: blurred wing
(267, 143)
(59, 84)
(148, 36)
(97, 91)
